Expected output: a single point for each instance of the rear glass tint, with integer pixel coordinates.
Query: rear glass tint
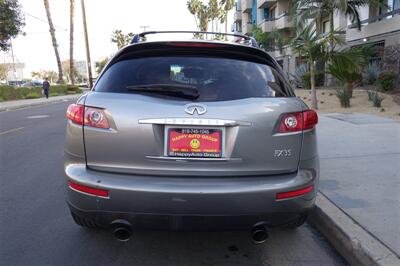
(216, 79)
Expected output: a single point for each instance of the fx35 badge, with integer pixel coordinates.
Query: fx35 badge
(283, 153)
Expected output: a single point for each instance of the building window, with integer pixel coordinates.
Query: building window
(266, 14)
(325, 26)
(272, 13)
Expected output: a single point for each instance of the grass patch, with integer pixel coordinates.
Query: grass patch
(9, 93)
(32, 95)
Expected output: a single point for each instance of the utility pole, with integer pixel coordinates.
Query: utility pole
(89, 64)
(144, 28)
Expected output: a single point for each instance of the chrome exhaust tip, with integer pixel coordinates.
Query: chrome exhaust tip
(121, 230)
(259, 234)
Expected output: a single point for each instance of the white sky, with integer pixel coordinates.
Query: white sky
(103, 16)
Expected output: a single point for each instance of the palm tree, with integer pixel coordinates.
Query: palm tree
(54, 41)
(204, 17)
(71, 41)
(227, 5)
(347, 66)
(313, 46)
(121, 39)
(194, 6)
(320, 9)
(317, 10)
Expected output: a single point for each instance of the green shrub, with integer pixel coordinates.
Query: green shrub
(344, 97)
(370, 95)
(376, 99)
(8, 93)
(371, 73)
(319, 79)
(386, 81)
(32, 95)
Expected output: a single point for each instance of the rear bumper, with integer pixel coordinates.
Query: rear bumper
(144, 200)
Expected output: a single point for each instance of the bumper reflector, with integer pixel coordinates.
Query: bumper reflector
(88, 190)
(294, 193)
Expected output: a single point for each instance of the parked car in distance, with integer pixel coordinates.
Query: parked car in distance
(32, 84)
(191, 135)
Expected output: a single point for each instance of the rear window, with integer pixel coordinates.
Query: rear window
(216, 79)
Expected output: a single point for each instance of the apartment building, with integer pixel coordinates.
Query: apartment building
(380, 28)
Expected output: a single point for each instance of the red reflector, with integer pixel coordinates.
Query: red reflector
(89, 190)
(294, 193)
(75, 113)
(195, 44)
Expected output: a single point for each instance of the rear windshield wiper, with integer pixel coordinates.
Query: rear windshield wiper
(177, 90)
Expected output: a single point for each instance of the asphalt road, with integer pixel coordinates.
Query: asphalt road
(36, 228)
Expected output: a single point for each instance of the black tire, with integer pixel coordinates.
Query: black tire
(87, 223)
(299, 221)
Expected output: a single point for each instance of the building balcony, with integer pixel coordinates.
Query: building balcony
(237, 16)
(373, 26)
(246, 6)
(247, 28)
(284, 22)
(265, 3)
(267, 25)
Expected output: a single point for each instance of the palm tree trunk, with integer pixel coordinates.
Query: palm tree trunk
(226, 22)
(71, 42)
(314, 102)
(54, 41)
(349, 88)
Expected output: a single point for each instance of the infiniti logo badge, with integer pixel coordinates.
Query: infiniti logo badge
(193, 108)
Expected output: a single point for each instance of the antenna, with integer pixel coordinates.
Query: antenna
(144, 28)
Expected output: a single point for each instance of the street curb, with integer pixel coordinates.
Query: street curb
(25, 105)
(354, 243)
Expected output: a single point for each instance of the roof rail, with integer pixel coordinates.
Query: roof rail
(138, 37)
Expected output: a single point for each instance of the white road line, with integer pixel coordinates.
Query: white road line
(11, 130)
(37, 116)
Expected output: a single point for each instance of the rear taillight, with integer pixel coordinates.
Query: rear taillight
(310, 119)
(89, 116)
(294, 122)
(96, 117)
(75, 113)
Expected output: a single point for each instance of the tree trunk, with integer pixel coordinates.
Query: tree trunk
(71, 42)
(349, 88)
(314, 101)
(54, 41)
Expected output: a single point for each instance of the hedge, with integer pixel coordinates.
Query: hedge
(8, 93)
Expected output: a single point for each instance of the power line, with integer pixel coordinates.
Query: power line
(44, 21)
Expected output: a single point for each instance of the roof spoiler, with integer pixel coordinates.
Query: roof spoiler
(241, 38)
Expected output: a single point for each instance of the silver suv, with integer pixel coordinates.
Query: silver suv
(187, 135)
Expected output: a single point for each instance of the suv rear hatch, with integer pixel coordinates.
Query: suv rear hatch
(192, 111)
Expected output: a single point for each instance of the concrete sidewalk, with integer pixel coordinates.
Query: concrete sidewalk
(12, 105)
(360, 172)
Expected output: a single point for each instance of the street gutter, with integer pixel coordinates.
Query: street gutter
(356, 245)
